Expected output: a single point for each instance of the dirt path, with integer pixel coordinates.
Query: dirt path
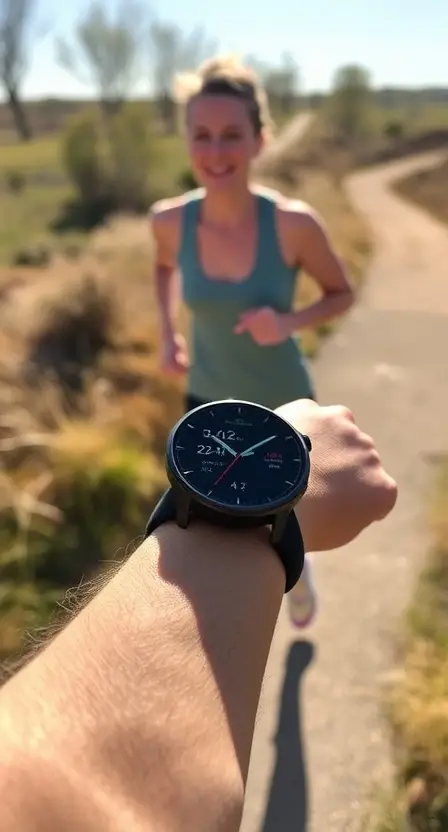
(287, 138)
(320, 740)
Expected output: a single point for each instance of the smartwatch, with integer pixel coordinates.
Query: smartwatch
(238, 465)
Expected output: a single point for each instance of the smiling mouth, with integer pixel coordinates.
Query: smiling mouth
(219, 172)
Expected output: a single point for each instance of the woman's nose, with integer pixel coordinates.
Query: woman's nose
(215, 149)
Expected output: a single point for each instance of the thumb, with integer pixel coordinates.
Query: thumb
(245, 319)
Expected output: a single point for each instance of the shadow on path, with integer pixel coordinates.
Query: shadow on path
(287, 805)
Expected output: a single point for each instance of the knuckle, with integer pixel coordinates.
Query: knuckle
(390, 493)
(386, 496)
(346, 413)
(341, 411)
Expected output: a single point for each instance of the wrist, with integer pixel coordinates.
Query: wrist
(168, 335)
(291, 323)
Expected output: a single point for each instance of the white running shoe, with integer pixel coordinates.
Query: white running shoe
(302, 600)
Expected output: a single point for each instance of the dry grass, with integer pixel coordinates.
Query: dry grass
(418, 701)
(429, 189)
(84, 411)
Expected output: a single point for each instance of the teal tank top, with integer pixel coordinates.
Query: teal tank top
(225, 365)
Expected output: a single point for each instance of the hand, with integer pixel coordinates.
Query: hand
(266, 326)
(174, 358)
(348, 487)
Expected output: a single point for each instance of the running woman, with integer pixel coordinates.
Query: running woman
(238, 249)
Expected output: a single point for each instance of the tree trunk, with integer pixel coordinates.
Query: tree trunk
(19, 115)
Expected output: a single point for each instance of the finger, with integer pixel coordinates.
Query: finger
(249, 315)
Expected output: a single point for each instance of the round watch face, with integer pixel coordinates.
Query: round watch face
(238, 456)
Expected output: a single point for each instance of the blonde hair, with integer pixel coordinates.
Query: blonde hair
(226, 75)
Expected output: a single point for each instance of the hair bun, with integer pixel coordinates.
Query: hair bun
(186, 84)
(229, 68)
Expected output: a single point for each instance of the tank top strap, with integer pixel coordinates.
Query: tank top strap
(269, 251)
(190, 217)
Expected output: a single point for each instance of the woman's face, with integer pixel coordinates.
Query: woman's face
(221, 141)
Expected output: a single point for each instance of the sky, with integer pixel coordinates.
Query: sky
(401, 43)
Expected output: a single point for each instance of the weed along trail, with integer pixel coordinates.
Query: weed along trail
(321, 743)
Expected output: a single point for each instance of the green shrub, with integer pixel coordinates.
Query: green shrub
(15, 181)
(108, 161)
(394, 129)
(83, 159)
(130, 156)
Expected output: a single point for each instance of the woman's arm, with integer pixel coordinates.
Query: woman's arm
(306, 243)
(315, 254)
(163, 217)
(165, 221)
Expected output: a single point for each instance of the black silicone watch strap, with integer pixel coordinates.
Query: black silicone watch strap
(290, 548)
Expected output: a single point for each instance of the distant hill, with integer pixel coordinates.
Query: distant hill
(399, 97)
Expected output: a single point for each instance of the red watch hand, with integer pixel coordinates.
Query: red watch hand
(227, 469)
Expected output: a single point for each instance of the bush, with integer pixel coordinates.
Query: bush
(71, 329)
(37, 256)
(109, 161)
(15, 181)
(394, 129)
(82, 158)
(130, 154)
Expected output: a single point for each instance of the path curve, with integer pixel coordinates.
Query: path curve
(287, 139)
(320, 741)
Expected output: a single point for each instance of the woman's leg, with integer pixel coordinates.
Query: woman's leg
(302, 599)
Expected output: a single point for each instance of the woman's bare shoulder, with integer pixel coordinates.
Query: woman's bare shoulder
(166, 213)
(295, 214)
(288, 209)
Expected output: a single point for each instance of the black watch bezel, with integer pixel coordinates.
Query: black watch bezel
(187, 495)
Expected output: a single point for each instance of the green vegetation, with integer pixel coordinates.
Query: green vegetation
(35, 213)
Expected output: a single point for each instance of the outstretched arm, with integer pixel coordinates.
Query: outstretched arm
(140, 714)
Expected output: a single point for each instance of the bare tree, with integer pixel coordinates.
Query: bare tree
(106, 52)
(281, 81)
(259, 66)
(17, 21)
(173, 51)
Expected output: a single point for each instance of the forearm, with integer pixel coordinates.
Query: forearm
(143, 708)
(167, 296)
(329, 306)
